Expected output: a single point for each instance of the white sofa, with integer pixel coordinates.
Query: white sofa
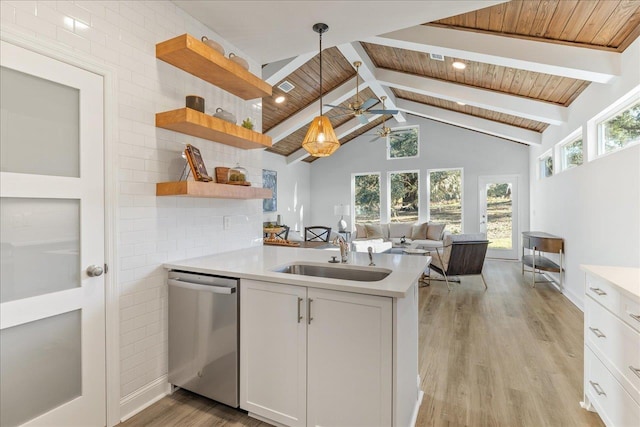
(381, 237)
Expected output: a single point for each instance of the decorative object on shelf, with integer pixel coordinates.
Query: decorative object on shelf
(196, 164)
(237, 175)
(213, 44)
(247, 123)
(321, 140)
(341, 210)
(222, 174)
(238, 60)
(195, 102)
(270, 181)
(225, 115)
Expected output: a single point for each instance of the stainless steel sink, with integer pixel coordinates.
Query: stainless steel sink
(342, 273)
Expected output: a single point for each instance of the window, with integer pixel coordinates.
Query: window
(366, 194)
(445, 198)
(545, 165)
(571, 154)
(403, 190)
(619, 131)
(403, 143)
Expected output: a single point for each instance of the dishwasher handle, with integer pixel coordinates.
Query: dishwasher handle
(205, 288)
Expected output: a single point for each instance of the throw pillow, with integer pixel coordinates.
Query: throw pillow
(399, 229)
(419, 231)
(374, 231)
(361, 232)
(435, 230)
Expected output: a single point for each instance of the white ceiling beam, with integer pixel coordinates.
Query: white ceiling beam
(304, 116)
(355, 52)
(508, 104)
(467, 121)
(550, 58)
(274, 72)
(341, 131)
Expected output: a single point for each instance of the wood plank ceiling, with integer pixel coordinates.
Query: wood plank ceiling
(606, 25)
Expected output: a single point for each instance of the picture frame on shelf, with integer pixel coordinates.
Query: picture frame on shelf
(270, 181)
(198, 169)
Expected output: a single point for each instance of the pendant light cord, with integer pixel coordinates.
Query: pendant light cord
(321, 71)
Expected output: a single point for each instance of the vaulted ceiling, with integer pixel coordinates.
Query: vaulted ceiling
(526, 62)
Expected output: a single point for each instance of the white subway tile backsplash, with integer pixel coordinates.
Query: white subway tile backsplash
(73, 40)
(33, 23)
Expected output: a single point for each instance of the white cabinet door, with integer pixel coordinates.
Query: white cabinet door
(349, 359)
(273, 351)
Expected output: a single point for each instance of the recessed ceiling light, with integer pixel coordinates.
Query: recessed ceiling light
(460, 103)
(280, 99)
(459, 65)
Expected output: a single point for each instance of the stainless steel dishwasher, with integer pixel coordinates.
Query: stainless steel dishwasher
(204, 335)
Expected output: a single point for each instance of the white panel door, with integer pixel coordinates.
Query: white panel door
(52, 320)
(499, 214)
(273, 351)
(349, 349)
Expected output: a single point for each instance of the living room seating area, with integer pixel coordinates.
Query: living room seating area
(382, 237)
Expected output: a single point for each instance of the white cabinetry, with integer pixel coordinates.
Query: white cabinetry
(612, 344)
(314, 356)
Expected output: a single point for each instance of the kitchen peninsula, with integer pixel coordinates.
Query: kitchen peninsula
(324, 351)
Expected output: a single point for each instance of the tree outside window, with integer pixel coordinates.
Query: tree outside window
(545, 164)
(367, 198)
(571, 154)
(404, 193)
(621, 130)
(402, 143)
(445, 198)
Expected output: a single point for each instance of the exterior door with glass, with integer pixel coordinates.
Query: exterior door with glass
(52, 294)
(499, 214)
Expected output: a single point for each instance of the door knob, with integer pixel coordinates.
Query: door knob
(94, 271)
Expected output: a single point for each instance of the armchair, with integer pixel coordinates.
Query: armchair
(461, 255)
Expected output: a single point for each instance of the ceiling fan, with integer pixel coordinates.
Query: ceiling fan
(359, 108)
(384, 131)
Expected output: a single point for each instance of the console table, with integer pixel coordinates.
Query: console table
(538, 242)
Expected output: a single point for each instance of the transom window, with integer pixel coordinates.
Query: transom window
(619, 130)
(545, 165)
(403, 143)
(571, 153)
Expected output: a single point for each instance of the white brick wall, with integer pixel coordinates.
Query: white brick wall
(123, 34)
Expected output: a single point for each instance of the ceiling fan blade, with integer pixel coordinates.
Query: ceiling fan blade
(337, 106)
(382, 111)
(369, 103)
(362, 119)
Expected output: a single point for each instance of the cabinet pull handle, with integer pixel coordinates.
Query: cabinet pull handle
(597, 388)
(635, 317)
(598, 291)
(635, 370)
(309, 318)
(299, 315)
(597, 332)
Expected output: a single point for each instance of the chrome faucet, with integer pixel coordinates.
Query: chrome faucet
(344, 248)
(370, 250)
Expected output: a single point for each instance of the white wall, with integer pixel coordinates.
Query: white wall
(441, 146)
(122, 35)
(594, 207)
(294, 198)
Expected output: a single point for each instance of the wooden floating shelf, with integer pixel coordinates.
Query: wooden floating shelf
(195, 123)
(211, 190)
(193, 56)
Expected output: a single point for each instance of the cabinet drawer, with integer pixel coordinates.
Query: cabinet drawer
(616, 342)
(630, 312)
(614, 405)
(603, 292)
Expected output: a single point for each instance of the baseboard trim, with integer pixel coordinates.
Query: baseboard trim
(565, 292)
(144, 397)
(414, 416)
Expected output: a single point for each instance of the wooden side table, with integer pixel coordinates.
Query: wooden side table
(537, 242)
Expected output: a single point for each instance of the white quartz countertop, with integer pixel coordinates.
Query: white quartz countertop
(258, 262)
(626, 278)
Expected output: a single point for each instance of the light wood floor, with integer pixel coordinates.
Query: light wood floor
(507, 356)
